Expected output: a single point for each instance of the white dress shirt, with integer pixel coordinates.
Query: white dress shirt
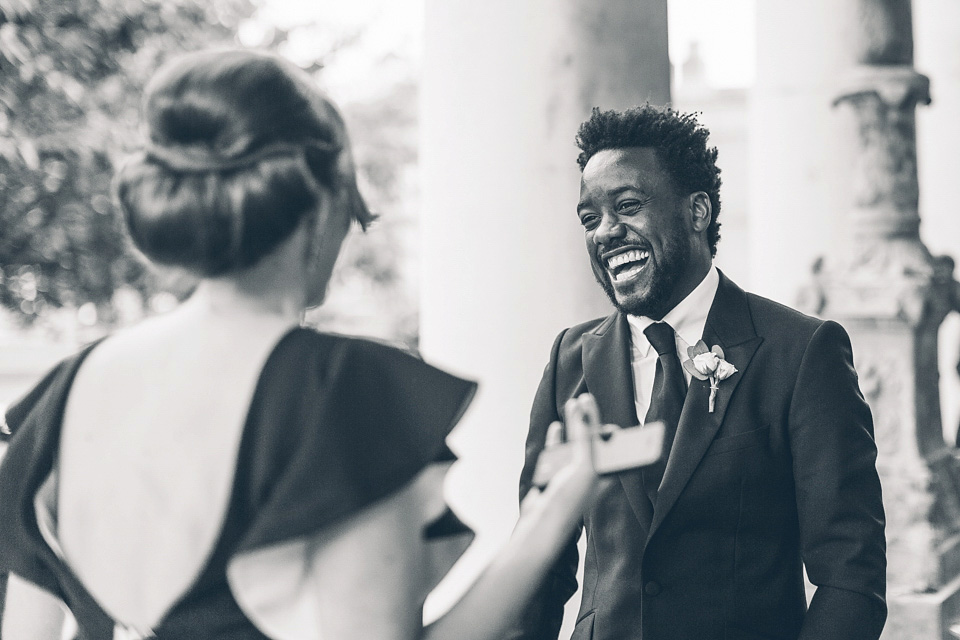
(688, 319)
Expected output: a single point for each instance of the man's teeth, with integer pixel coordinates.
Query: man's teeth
(634, 255)
(627, 273)
(638, 256)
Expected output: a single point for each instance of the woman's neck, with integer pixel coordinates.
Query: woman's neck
(274, 290)
(224, 298)
(264, 291)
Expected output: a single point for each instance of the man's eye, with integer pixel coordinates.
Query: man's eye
(628, 205)
(590, 220)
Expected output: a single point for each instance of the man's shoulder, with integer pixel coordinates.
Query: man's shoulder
(770, 312)
(596, 326)
(782, 324)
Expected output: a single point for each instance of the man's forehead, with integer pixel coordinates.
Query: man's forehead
(640, 158)
(612, 169)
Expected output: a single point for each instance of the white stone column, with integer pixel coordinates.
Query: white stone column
(892, 296)
(503, 265)
(800, 147)
(937, 54)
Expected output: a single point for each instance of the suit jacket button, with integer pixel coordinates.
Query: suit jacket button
(651, 588)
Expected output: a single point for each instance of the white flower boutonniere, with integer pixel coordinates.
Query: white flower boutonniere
(708, 364)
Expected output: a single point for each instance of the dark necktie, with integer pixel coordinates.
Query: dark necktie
(666, 401)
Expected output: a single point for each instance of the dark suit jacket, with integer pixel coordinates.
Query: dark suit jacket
(782, 474)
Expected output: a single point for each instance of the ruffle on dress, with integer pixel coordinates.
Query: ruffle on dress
(335, 425)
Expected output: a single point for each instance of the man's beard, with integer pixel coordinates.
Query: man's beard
(666, 272)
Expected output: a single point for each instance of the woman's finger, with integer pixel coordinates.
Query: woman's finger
(554, 434)
(582, 417)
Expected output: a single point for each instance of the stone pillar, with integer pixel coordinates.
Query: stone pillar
(503, 263)
(799, 148)
(724, 113)
(937, 26)
(937, 50)
(892, 296)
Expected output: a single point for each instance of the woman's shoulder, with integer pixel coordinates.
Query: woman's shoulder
(347, 422)
(360, 346)
(358, 398)
(374, 360)
(31, 426)
(46, 395)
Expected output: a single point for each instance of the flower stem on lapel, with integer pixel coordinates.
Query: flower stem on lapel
(708, 364)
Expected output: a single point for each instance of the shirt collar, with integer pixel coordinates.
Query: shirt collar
(688, 318)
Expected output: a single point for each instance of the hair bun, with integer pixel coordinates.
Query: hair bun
(239, 141)
(198, 126)
(319, 155)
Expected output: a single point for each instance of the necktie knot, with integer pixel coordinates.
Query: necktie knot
(662, 337)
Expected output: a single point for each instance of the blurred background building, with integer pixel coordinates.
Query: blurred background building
(463, 116)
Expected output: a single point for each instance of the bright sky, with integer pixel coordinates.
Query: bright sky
(724, 30)
(388, 44)
(391, 32)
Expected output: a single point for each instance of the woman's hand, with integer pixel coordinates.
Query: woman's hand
(575, 482)
(548, 519)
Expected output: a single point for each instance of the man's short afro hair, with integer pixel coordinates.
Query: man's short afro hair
(679, 141)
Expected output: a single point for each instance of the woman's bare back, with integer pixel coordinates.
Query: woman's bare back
(150, 436)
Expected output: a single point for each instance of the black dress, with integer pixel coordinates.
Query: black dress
(335, 423)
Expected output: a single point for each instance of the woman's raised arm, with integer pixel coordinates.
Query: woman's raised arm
(30, 613)
(547, 519)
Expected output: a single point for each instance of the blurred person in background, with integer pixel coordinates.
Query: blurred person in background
(220, 472)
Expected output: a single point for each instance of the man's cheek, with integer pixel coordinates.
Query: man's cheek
(598, 270)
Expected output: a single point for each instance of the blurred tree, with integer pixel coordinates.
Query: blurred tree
(71, 74)
(374, 291)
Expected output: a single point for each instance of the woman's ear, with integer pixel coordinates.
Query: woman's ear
(313, 237)
(316, 226)
(325, 232)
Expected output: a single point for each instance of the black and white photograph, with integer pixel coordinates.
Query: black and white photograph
(503, 320)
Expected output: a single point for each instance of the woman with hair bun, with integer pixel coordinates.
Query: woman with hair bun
(219, 472)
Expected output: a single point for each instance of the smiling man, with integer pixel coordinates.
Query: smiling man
(769, 455)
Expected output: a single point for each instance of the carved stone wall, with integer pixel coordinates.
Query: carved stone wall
(893, 315)
(892, 295)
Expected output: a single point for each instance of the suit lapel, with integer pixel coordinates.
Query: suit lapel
(609, 377)
(730, 326)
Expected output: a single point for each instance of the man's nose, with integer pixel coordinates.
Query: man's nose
(609, 228)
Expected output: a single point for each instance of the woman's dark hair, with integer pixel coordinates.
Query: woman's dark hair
(678, 140)
(239, 145)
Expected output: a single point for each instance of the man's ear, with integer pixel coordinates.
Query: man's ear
(701, 210)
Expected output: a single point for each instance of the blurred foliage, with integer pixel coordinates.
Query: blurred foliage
(71, 76)
(373, 291)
